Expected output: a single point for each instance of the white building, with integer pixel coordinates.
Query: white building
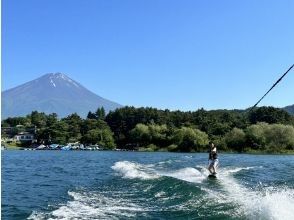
(24, 136)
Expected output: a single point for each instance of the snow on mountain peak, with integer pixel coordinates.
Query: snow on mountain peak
(51, 81)
(61, 77)
(52, 92)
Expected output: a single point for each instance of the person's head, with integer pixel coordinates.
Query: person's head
(211, 145)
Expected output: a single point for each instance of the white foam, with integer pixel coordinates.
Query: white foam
(92, 206)
(236, 169)
(279, 204)
(160, 194)
(265, 204)
(165, 162)
(37, 216)
(203, 170)
(132, 170)
(188, 174)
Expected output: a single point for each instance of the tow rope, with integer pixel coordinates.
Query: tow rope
(272, 87)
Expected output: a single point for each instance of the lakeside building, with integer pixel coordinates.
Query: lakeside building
(24, 136)
(19, 133)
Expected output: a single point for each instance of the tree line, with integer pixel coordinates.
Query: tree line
(263, 129)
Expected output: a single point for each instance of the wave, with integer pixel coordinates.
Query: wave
(86, 205)
(132, 170)
(188, 174)
(227, 196)
(226, 171)
(278, 203)
(264, 203)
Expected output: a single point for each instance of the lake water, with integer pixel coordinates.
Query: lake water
(137, 185)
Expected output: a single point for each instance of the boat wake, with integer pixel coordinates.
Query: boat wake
(260, 203)
(156, 191)
(188, 174)
(254, 203)
(92, 205)
(131, 170)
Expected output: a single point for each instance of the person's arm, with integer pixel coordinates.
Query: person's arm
(214, 155)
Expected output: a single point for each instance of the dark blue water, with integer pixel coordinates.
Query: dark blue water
(136, 185)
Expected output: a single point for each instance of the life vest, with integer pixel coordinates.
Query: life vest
(212, 155)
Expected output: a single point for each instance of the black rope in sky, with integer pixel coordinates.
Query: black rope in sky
(272, 87)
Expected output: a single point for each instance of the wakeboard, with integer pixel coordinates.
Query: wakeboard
(212, 176)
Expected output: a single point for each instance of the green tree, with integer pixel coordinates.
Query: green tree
(100, 113)
(123, 120)
(103, 137)
(14, 121)
(141, 135)
(90, 124)
(279, 137)
(236, 139)
(74, 123)
(91, 115)
(189, 139)
(60, 132)
(38, 119)
(51, 119)
(270, 115)
(255, 135)
(270, 137)
(219, 129)
(157, 135)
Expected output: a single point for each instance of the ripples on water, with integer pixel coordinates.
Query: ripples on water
(135, 185)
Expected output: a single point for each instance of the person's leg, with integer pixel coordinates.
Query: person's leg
(213, 168)
(215, 163)
(210, 167)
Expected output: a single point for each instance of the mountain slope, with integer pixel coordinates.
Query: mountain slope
(53, 92)
(289, 109)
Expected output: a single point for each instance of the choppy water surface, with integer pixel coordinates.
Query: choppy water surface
(135, 185)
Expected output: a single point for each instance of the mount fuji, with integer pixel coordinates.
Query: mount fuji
(52, 93)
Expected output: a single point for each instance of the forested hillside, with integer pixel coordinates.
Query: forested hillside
(289, 109)
(263, 129)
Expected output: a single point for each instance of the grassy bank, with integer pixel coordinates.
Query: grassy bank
(12, 146)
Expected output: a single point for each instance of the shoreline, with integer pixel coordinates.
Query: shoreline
(288, 152)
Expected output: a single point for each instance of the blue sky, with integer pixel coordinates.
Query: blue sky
(161, 53)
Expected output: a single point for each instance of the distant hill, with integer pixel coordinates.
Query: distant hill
(289, 109)
(53, 92)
